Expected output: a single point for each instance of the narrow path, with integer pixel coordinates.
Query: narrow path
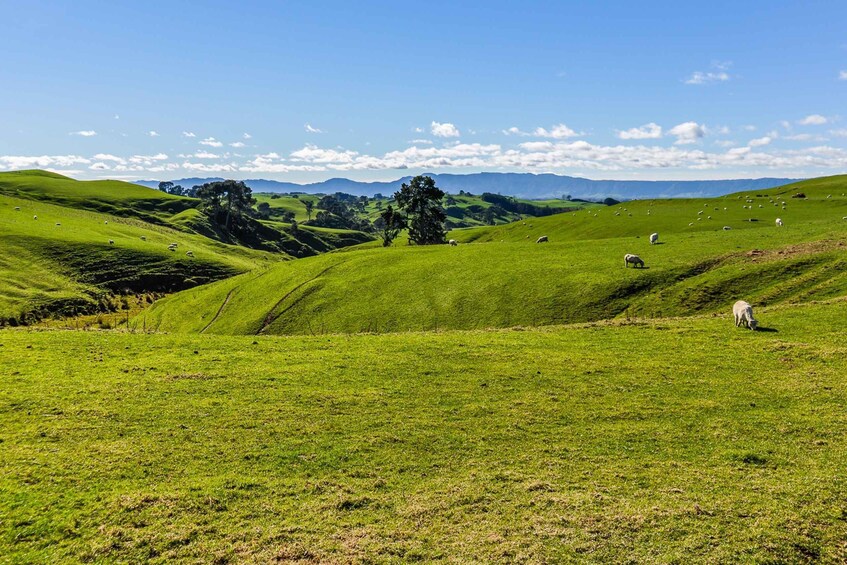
(271, 318)
(221, 309)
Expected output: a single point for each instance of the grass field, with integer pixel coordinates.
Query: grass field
(674, 440)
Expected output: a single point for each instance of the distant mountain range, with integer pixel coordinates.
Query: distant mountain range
(521, 185)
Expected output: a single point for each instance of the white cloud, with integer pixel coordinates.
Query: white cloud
(760, 142)
(246, 135)
(559, 131)
(84, 133)
(420, 141)
(188, 134)
(749, 127)
(444, 130)
(153, 133)
(813, 120)
(211, 142)
(310, 129)
(205, 155)
(15, 162)
(718, 73)
(687, 132)
(418, 130)
(109, 157)
(237, 144)
(838, 132)
(117, 117)
(699, 77)
(647, 131)
(842, 75)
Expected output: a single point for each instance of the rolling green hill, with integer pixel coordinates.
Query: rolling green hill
(57, 260)
(107, 196)
(511, 281)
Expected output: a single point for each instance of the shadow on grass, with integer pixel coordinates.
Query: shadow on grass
(767, 330)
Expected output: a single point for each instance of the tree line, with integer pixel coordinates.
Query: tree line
(231, 205)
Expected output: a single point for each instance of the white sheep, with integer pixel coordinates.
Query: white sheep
(634, 259)
(35, 217)
(779, 222)
(111, 242)
(58, 223)
(654, 238)
(453, 242)
(727, 228)
(542, 239)
(106, 222)
(143, 238)
(18, 208)
(190, 253)
(743, 313)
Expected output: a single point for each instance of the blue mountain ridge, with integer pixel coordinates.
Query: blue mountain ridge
(521, 185)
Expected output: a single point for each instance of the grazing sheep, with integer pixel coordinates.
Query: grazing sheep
(727, 228)
(453, 242)
(779, 222)
(743, 313)
(708, 217)
(35, 217)
(700, 213)
(690, 224)
(143, 238)
(542, 239)
(634, 259)
(173, 245)
(111, 242)
(844, 218)
(58, 223)
(18, 208)
(106, 222)
(190, 253)
(654, 238)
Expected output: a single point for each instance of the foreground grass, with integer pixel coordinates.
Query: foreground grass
(667, 441)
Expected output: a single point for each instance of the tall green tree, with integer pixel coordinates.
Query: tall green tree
(389, 225)
(310, 205)
(228, 202)
(420, 200)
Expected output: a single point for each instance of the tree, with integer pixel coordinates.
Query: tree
(390, 224)
(263, 210)
(171, 188)
(228, 202)
(310, 205)
(421, 202)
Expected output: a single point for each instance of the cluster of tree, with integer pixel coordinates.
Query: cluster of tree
(511, 204)
(340, 210)
(177, 189)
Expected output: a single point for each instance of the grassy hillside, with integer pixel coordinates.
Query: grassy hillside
(107, 196)
(681, 216)
(56, 260)
(683, 440)
(518, 282)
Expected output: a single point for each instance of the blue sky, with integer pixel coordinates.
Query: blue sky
(376, 90)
